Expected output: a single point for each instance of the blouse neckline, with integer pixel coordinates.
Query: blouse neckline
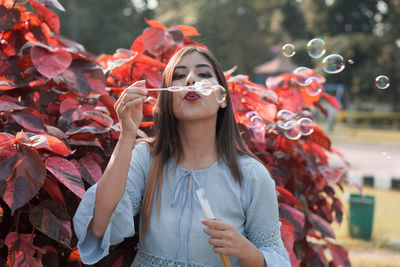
(212, 166)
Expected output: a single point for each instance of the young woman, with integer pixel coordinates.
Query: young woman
(196, 145)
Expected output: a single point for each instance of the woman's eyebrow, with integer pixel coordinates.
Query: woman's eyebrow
(197, 66)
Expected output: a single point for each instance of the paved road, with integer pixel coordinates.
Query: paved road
(370, 159)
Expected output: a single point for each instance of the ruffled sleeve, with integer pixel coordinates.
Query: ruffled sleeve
(262, 225)
(121, 225)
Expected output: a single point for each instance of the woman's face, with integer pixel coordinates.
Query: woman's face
(191, 105)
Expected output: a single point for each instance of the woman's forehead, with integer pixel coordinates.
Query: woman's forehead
(194, 59)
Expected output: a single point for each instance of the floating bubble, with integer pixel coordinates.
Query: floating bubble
(288, 50)
(306, 126)
(314, 87)
(220, 93)
(302, 75)
(333, 63)
(284, 115)
(386, 155)
(350, 61)
(285, 125)
(382, 82)
(292, 130)
(316, 48)
(254, 122)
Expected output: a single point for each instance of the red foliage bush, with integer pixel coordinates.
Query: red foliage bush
(58, 129)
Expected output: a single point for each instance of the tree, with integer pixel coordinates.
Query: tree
(59, 129)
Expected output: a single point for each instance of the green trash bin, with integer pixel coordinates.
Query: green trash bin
(361, 216)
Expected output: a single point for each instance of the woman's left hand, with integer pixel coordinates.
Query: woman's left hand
(225, 239)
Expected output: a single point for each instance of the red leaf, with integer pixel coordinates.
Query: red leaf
(138, 45)
(52, 188)
(155, 24)
(287, 233)
(158, 41)
(295, 217)
(99, 117)
(92, 168)
(331, 100)
(19, 258)
(146, 123)
(290, 99)
(187, 30)
(47, 15)
(7, 106)
(332, 176)
(21, 177)
(320, 138)
(8, 18)
(286, 196)
(84, 77)
(6, 85)
(43, 219)
(153, 40)
(339, 255)
(7, 139)
(56, 145)
(176, 34)
(50, 63)
(109, 102)
(321, 225)
(21, 242)
(53, 3)
(153, 78)
(338, 208)
(67, 174)
(29, 119)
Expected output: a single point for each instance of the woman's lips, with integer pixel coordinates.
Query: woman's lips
(191, 96)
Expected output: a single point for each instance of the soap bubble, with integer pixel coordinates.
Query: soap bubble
(292, 130)
(314, 87)
(284, 115)
(220, 93)
(386, 155)
(306, 126)
(350, 61)
(288, 50)
(316, 48)
(254, 122)
(382, 82)
(333, 63)
(302, 75)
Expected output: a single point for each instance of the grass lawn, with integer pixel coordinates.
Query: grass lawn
(379, 251)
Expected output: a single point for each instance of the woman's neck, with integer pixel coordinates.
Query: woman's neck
(199, 144)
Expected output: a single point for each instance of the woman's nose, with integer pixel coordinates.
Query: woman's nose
(190, 79)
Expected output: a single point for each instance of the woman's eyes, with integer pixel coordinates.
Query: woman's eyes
(179, 76)
(205, 75)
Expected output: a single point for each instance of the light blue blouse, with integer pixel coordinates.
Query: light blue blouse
(176, 237)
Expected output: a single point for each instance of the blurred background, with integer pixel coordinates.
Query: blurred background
(250, 34)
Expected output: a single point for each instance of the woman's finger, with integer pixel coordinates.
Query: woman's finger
(217, 242)
(122, 101)
(133, 103)
(217, 224)
(214, 232)
(137, 84)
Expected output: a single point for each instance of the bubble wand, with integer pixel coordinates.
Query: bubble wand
(201, 87)
(205, 206)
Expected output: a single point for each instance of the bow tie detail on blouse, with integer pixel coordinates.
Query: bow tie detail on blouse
(185, 192)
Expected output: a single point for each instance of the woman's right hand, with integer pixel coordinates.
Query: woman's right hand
(129, 108)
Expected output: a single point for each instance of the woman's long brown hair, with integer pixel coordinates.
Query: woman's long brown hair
(166, 142)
